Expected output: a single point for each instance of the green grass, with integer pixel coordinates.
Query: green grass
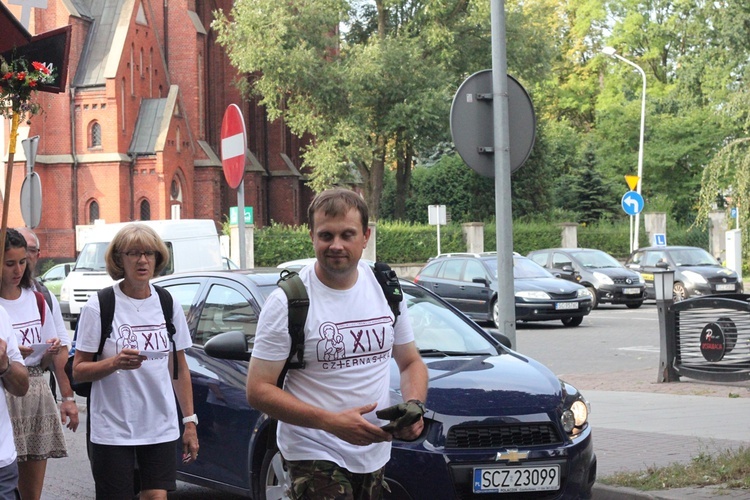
(730, 468)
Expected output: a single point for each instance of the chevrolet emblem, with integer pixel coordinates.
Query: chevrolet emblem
(511, 456)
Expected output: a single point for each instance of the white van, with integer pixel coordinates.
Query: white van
(193, 246)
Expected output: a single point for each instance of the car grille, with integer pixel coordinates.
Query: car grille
(718, 280)
(563, 296)
(472, 437)
(623, 281)
(82, 295)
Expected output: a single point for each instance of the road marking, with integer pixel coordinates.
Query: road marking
(639, 348)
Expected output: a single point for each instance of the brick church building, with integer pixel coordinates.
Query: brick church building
(137, 134)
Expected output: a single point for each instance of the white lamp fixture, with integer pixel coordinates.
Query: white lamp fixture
(663, 285)
(610, 51)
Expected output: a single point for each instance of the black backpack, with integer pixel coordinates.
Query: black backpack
(107, 307)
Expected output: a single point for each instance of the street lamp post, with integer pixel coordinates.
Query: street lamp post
(610, 51)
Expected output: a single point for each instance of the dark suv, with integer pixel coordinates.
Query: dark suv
(469, 282)
(607, 279)
(696, 272)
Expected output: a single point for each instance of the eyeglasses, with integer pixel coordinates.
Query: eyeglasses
(32, 250)
(136, 254)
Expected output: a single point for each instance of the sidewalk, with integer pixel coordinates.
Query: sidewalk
(637, 430)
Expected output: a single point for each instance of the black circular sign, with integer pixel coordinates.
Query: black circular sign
(713, 342)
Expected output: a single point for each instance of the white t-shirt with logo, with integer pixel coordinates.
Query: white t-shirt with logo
(7, 446)
(349, 336)
(26, 321)
(133, 407)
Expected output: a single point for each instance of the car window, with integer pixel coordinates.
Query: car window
(651, 258)
(527, 268)
(637, 258)
(692, 257)
(430, 269)
(474, 270)
(595, 260)
(226, 309)
(56, 273)
(560, 259)
(451, 269)
(184, 293)
(540, 258)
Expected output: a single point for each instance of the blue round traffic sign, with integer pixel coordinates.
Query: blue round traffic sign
(632, 203)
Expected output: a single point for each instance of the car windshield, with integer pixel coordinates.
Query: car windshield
(524, 268)
(439, 329)
(92, 257)
(692, 257)
(595, 260)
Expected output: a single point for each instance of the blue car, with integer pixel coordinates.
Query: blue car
(497, 422)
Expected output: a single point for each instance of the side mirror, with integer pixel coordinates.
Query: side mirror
(567, 268)
(481, 280)
(67, 269)
(662, 265)
(228, 345)
(501, 338)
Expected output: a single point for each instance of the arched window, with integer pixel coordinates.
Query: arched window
(140, 66)
(179, 140)
(145, 210)
(93, 211)
(95, 138)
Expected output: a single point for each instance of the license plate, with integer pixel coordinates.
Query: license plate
(631, 291)
(516, 479)
(725, 287)
(566, 305)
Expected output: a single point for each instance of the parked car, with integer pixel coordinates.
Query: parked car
(606, 278)
(696, 272)
(469, 282)
(54, 277)
(496, 421)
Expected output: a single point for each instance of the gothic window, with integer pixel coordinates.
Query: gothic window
(95, 140)
(93, 211)
(145, 210)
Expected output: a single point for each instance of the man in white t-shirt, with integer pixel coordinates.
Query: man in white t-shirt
(68, 406)
(328, 432)
(15, 378)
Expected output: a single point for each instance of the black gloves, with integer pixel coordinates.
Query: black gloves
(401, 415)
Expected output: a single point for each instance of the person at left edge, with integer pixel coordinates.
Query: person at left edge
(68, 407)
(37, 430)
(132, 407)
(15, 380)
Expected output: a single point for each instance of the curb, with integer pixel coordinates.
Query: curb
(606, 492)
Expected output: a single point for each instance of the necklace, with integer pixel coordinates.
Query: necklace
(136, 305)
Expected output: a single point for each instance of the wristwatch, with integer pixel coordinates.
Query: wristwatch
(192, 418)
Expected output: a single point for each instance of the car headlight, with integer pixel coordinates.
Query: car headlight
(641, 281)
(64, 293)
(576, 411)
(583, 292)
(694, 277)
(533, 295)
(603, 278)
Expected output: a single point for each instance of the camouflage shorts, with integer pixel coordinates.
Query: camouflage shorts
(324, 480)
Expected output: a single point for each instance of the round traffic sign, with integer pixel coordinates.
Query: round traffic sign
(31, 200)
(472, 124)
(233, 145)
(632, 203)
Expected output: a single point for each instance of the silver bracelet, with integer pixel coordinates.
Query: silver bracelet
(68, 398)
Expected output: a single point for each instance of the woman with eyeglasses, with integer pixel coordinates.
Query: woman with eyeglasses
(133, 417)
(37, 428)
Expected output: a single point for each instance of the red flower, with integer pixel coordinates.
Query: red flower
(40, 67)
(32, 83)
(8, 76)
(21, 75)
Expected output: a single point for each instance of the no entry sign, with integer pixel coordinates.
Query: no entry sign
(233, 145)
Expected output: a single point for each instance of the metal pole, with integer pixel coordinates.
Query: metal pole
(503, 212)
(640, 144)
(241, 222)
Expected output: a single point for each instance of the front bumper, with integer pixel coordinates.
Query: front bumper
(615, 294)
(547, 311)
(422, 472)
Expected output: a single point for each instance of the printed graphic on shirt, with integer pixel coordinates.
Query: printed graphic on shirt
(142, 338)
(354, 343)
(29, 332)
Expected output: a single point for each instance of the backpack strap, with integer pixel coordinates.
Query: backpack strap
(167, 303)
(106, 313)
(40, 305)
(299, 303)
(391, 287)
